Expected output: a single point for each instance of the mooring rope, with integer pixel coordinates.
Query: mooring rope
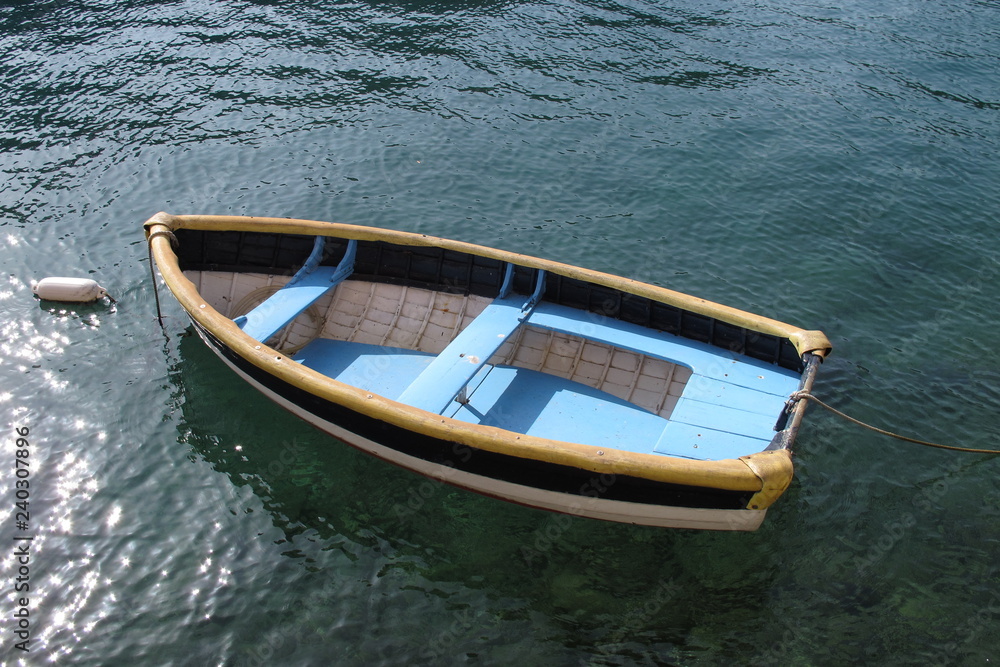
(152, 268)
(806, 395)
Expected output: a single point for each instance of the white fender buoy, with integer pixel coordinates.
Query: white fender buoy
(78, 290)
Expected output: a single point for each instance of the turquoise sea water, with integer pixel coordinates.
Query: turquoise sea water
(834, 165)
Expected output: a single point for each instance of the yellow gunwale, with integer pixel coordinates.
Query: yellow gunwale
(766, 474)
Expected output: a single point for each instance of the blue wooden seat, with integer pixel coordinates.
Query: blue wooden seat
(308, 285)
(448, 374)
(730, 403)
(703, 359)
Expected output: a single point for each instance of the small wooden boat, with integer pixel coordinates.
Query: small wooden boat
(520, 378)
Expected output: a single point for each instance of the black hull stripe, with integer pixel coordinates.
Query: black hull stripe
(574, 482)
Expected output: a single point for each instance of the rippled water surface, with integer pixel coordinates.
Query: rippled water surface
(834, 165)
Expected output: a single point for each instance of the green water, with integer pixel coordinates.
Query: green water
(831, 165)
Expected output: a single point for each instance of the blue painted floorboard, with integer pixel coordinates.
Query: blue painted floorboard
(386, 371)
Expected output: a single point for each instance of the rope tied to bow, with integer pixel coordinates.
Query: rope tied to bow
(805, 395)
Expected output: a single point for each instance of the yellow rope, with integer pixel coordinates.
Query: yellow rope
(805, 394)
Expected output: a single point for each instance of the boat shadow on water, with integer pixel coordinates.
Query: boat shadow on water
(613, 580)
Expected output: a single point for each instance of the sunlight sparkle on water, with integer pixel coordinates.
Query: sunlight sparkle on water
(39, 346)
(53, 381)
(75, 487)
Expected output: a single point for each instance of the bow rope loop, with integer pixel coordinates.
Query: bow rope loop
(152, 268)
(803, 395)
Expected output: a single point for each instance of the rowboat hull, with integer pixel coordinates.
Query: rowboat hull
(392, 407)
